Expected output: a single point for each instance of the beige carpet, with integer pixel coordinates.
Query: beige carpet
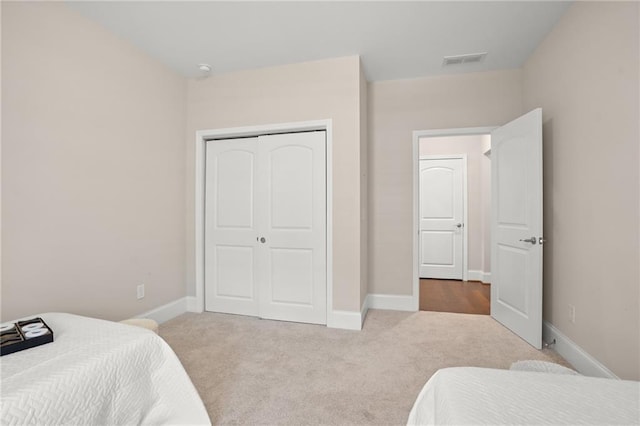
(260, 372)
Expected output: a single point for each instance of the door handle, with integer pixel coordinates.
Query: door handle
(458, 225)
(531, 240)
(261, 239)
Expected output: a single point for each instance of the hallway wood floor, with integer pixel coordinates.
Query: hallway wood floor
(463, 297)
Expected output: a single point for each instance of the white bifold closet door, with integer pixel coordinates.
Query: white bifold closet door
(265, 227)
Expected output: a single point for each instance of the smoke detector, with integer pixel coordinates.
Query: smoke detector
(204, 68)
(469, 58)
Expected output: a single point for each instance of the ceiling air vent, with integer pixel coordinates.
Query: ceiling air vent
(471, 58)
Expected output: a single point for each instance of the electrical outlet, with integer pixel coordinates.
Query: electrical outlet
(140, 291)
(572, 314)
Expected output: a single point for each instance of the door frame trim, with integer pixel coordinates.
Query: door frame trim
(202, 136)
(465, 215)
(417, 134)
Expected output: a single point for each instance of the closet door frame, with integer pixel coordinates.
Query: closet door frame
(196, 304)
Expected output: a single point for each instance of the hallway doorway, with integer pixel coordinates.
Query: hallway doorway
(463, 297)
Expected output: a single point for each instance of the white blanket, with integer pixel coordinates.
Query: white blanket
(468, 395)
(97, 373)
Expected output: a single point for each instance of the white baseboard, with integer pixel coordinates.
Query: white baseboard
(192, 305)
(348, 320)
(363, 311)
(337, 319)
(391, 302)
(580, 360)
(474, 275)
(166, 312)
(481, 276)
(345, 319)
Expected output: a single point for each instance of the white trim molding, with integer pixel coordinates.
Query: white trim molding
(197, 305)
(364, 310)
(336, 319)
(391, 302)
(574, 354)
(346, 320)
(167, 311)
(417, 134)
(481, 276)
(192, 304)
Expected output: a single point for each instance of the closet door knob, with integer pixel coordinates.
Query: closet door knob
(263, 240)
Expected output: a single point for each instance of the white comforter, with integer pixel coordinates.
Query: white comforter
(97, 373)
(468, 395)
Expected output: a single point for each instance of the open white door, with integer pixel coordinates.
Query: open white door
(516, 226)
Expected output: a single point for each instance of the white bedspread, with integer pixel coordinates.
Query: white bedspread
(468, 395)
(97, 373)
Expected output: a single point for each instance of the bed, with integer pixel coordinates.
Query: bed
(97, 372)
(468, 395)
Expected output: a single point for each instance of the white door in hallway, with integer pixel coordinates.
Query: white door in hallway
(265, 227)
(516, 229)
(441, 183)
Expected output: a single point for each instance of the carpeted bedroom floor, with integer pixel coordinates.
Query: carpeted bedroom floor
(260, 372)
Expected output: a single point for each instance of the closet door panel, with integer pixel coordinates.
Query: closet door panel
(292, 190)
(265, 227)
(291, 276)
(230, 227)
(233, 190)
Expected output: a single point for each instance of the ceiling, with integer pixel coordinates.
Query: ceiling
(395, 39)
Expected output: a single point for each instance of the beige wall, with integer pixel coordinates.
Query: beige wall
(364, 189)
(94, 159)
(396, 109)
(477, 235)
(92, 169)
(585, 77)
(328, 89)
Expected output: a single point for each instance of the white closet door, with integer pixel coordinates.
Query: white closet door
(231, 284)
(292, 197)
(265, 227)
